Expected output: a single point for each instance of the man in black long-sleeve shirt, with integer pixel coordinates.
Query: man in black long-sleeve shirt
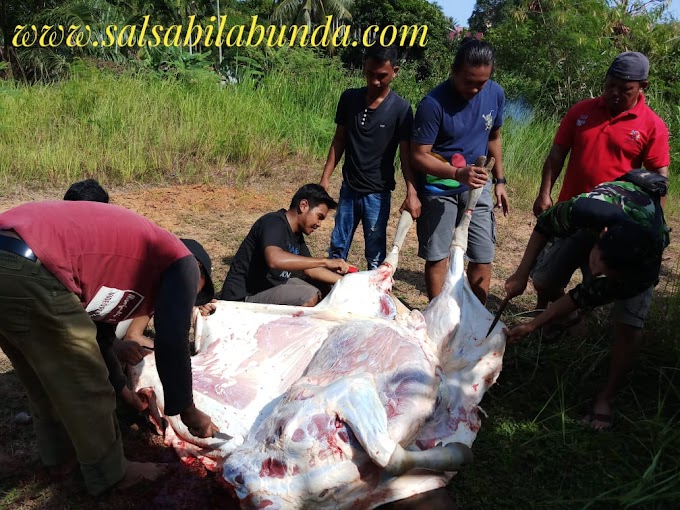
(621, 232)
(63, 267)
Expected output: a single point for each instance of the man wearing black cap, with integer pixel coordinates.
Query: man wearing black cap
(606, 136)
(64, 266)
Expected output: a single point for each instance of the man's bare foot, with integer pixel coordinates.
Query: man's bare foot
(136, 472)
(63, 470)
(601, 417)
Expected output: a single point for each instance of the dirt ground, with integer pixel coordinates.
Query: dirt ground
(219, 217)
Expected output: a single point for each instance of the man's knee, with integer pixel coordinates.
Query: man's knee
(314, 300)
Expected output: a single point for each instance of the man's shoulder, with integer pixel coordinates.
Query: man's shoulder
(440, 93)
(353, 94)
(400, 105)
(586, 105)
(494, 88)
(654, 117)
(271, 218)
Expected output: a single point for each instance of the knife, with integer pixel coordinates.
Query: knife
(497, 317)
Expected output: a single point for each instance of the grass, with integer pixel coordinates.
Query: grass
(531, 452)
(125, 127)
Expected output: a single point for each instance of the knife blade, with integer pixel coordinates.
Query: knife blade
(497, 317)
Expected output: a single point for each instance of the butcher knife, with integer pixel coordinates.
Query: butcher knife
(497, 317)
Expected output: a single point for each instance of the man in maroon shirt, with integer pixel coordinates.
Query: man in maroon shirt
(64, 265)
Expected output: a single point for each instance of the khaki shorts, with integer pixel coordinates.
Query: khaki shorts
(560, 259)
(439, 217)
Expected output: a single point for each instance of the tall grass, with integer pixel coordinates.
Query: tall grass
(144, 128)
(127, 128)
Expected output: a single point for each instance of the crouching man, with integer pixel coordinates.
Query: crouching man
(63, 266)
(275, 247)
(621, 233)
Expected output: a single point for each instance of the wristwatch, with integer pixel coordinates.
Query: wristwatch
(499, 181)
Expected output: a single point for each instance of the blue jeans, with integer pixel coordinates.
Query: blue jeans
(373, 210)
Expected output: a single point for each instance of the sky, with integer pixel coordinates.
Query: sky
(460, 10)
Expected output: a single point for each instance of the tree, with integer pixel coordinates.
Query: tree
(430, 63)
(556, 52)
(489, 13)
(306, 12)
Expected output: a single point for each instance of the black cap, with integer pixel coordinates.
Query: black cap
(208, 291)
(630, 66)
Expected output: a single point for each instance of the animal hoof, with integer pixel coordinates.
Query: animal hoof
(461, 452)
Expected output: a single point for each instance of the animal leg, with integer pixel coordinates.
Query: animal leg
(356, 402)
(359, 406)
(440, 458)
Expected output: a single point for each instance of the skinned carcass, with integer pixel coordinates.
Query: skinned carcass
(347, 404)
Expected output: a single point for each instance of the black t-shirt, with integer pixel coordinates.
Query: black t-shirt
(372, 138)
(249, 273)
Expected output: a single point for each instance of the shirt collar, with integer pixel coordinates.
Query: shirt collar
(635, 111)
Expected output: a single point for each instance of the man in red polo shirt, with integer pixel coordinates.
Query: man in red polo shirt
(65, 266)
(607, 136)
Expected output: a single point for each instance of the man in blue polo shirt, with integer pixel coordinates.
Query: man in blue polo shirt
(372, 122)
(459, 121)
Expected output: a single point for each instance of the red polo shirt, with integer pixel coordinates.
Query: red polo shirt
(605, 147)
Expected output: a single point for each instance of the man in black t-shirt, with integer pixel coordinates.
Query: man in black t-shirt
(371, 122)
(275, 247)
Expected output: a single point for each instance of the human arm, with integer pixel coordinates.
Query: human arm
(517, 282)
(423, 161)
(173, 312)
(411, 202)
(664, 172)
(426, 127)
(495, 151)
(135, 332)
(106, 336)
(132, 348)
(323, 270)
(552, 167)
(334, 155)
(559, 309)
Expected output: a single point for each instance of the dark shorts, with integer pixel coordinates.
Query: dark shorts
(560, 259)
(439, 217)
(294, 292)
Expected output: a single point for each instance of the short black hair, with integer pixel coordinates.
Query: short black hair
(315, 195)
(630, 249)
(88, 190)
(382, 54)
(474, 53)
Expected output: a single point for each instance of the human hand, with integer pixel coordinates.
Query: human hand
(518, 332)
(324, 183)
(473, 176)
(129, 352)
(132, 399)
(502, 201)
(208, 308)
(336, 265)
(198, 423)
(515, 286)
(542, 203)
(412, 205)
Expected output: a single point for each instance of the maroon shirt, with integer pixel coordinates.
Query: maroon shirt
(120, 265)
(110, 257)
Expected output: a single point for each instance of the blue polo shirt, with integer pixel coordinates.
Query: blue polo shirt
(456, 127)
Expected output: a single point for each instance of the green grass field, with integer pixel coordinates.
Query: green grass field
(532, 451)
